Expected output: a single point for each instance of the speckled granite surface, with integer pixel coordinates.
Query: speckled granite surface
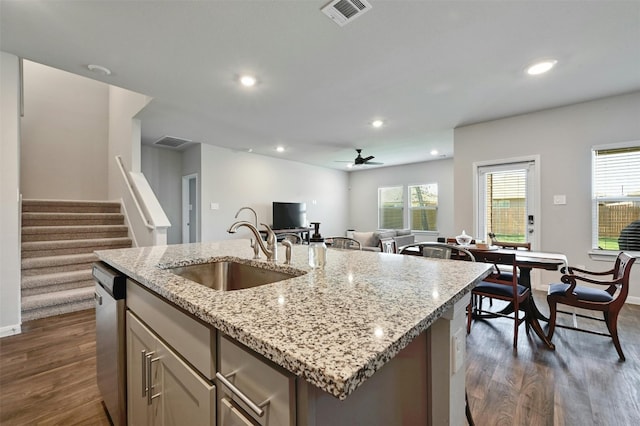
(335, 327)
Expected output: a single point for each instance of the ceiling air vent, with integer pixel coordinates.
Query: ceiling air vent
(172, 142)
(344, 11)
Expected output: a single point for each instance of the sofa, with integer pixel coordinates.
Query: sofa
(372, 241)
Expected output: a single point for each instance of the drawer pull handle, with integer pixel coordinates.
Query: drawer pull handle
(148, 360)
(256, 408)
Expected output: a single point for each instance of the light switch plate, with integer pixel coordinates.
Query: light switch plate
(215, 206)
(559, 199)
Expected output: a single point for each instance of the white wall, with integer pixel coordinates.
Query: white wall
(363, 193)
(64, 135)
(163, 170)
(563, 138)
(124, 134)
(236, 179)
(9, 189)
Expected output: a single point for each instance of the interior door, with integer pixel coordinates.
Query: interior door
(507, 201)
(190, 209)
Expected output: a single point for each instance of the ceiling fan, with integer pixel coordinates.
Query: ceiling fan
(361, 161)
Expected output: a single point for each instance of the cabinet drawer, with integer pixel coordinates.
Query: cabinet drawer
(192, 339)
(266, 385)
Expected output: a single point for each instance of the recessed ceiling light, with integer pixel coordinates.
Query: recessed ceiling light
(377, 123)
(541, 67)
(99, 69)
(248, 80)
(280, 148)
(434, 152)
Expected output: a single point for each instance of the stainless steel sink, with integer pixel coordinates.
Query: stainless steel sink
(229, 276)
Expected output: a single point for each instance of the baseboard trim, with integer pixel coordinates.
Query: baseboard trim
(10, 330)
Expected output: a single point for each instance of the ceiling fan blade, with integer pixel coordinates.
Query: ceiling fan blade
(373, 163)
(371, 157)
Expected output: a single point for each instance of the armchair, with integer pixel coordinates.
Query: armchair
(608, 299)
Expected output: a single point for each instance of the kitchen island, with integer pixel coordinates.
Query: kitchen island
(336, 329)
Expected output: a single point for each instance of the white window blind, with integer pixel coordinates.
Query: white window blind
(616, 197)
(504, 195)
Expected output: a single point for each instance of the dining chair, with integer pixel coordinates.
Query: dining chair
(437, 250)
(608, 300)
(343, 243)
(292, 238)
(508, 245)
(388, 245)
(495, 286)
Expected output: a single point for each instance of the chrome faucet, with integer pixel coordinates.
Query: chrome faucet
(288, 247)
(255, 215)
(254, 245)
(270, 250)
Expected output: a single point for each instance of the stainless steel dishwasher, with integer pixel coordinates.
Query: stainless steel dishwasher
(110, 341)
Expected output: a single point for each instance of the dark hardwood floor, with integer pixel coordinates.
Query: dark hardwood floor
(47, 375)
(581, 383)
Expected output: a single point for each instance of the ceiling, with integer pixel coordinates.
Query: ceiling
(424, 67)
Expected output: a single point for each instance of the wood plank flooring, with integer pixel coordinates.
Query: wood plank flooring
(581, 383)
(47, 375)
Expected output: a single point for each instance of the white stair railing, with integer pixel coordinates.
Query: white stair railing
(146, 219)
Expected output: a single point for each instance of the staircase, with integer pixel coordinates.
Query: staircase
(58, 240)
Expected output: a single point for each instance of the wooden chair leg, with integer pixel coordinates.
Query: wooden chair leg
(611, 318)
(515, 329)
(552, 318)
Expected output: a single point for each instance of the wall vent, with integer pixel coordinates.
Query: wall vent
(172, 141)
(344, 11)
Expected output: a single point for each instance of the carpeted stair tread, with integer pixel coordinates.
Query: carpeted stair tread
(31, 205)
(71, 219)
(78, 232)
(57, 298)
(61, 244)
(51, 261)
(83, 305)
(57, 278)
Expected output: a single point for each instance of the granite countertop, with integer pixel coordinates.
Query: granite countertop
(334, 326)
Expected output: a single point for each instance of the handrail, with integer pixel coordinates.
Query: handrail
(125, 176)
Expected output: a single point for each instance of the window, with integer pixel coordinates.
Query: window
(616, 197)
(423, 207)
(390, 207)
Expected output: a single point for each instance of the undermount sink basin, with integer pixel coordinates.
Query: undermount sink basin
(229, 276)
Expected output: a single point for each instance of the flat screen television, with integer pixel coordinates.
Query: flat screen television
(289, 215)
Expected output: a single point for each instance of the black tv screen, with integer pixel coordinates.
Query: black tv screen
(289, 215)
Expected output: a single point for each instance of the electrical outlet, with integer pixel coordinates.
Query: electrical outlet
(458, 348)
